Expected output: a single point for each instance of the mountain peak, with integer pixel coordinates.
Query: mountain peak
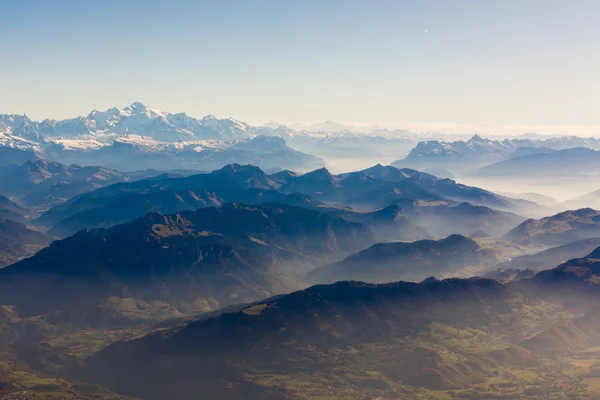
(138, 106)
(235, 167)
(321, 172)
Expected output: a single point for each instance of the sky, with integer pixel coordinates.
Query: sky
(488, 66)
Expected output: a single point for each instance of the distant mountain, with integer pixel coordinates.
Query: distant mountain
(552, 257)
(137, 137)
(390, 262)
(187, 262)
(129, 153)
(135, 119)
(328, 187)
(349, 145)
(116, 204)
(391, 174)
(10, 156)
(464, 218)
(11, 210)
(591, 199)
(43, 183)
(414, 198)
(559, 229)
(528, 151)
(17, 242)
(387, 223)
(576, 162)
(368, 326)
(537, 198)
(380, 186)
(462, 156)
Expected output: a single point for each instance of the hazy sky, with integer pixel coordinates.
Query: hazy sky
(494, 66)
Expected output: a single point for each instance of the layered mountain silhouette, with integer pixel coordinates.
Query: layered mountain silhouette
(183, 263)
(562, 228)
(552, 257)
(422, 199)
(120, 203)
(389, 262)
(43, 183)
(10, 156)
(574, 162)
(11, 210)
(18, 242)
(510, 155)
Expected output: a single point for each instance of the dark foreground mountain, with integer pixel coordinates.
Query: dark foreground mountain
(327, 337)
(17, 242)
(559, 229)
(437, 339)
(159, 266)
(389, 262)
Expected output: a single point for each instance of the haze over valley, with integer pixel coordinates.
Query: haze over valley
(299, 200)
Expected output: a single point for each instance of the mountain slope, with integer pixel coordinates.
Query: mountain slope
(552, 257)
(231, 356)
(387, 223)
(11, 210)
(463, 156)
(131, 153)
(464, 218)
(17, 242)
(113, 205)
(579, 162)
(568, 226)
(386, 262)
(187, 262)
(45, 183)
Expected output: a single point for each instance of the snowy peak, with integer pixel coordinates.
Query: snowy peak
(136, 119)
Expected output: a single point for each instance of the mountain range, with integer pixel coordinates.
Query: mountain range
(435, 204)
(188, 262)
(559, 229)
(127, 270)
(579, 162)
(137, 137)
(391, 262)
(464, 156)
(553, 256)
(135, 119)
(42, 183)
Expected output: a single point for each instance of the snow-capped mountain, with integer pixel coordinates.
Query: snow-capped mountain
(136, 119)
(138, 137)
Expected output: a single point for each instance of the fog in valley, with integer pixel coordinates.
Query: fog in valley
(311, 200)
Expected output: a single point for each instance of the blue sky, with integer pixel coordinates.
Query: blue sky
(494, 66)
